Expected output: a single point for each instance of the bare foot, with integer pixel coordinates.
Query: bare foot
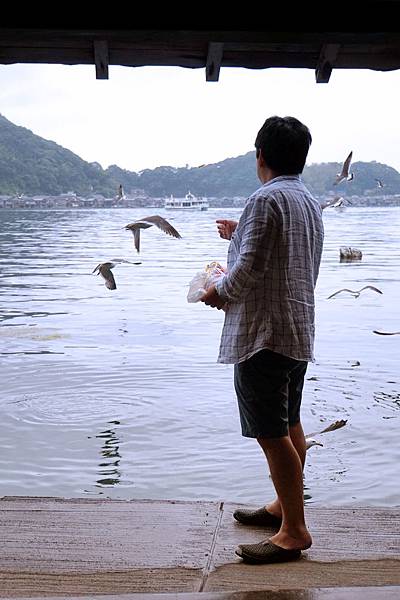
(274, 508)
(301, 541)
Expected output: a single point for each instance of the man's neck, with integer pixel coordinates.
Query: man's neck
(267, 174)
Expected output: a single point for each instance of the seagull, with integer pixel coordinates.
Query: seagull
(147, 222)
(340, 202)
(335, 202)
(356, 293)
(311, 441)
(344, 174)
(386, 332)
(104, 269)
(379, 182)
(120, 194)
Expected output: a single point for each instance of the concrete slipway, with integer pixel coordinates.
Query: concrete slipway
(73, 548)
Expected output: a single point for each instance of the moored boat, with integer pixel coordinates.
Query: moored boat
(189, 202)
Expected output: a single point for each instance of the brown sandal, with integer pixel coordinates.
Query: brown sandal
(265, 552)
(259, 516)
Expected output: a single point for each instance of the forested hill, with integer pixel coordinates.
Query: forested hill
(32, 165)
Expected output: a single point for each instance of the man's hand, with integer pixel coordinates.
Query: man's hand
(226, 228)
(211, 298)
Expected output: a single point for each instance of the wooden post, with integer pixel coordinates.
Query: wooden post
(101, 58)
(214, 60)
(326, 61)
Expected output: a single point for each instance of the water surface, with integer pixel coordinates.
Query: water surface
(118, 393)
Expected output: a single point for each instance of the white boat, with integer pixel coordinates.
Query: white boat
(189, 202)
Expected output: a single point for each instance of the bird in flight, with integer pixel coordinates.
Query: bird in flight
(147, 222)
(311, 441)
(344, 174)
(335, 202)
(104, 269)
(120, 193)
(386, 332)
(379, 182)
(356, 293)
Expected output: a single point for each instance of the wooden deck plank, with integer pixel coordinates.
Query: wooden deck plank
(77, 547)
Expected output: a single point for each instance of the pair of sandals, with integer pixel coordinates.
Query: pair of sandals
(262, 552)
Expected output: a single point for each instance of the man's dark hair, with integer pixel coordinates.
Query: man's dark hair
(284, 143)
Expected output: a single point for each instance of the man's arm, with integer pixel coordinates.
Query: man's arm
(258, 231)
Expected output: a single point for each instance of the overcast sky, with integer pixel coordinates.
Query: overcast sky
(151, 116)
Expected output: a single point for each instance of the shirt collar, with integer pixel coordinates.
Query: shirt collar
(283, 178)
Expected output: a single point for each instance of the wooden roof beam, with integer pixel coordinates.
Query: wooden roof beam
(100, 48)
(214, 60)
(326, 60)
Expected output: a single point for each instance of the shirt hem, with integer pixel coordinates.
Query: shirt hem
(230, 361)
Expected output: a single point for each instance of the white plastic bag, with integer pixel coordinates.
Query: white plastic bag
(203, 280)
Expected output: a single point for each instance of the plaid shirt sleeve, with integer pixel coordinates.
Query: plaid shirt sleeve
(257, 228)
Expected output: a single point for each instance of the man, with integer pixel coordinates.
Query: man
(268, 334)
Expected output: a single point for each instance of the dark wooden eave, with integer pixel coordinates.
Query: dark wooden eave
(202, 48)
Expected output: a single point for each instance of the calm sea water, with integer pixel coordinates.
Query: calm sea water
(118, 393)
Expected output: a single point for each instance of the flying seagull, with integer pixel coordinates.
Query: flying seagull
(104, 269)
(120, 193)
(311, 441)
(356, 293)
(379, 182)
(335, 202)
(386, 332)
(147, 222)
(344, 174)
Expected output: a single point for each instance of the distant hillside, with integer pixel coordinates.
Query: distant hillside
(32, 165)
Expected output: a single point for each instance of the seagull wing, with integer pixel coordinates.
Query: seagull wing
(105, 272)
(386, 332)
(329, 202)
(342, 290)
(346, 165)
(135, 229)
(371, 287)
(335, 425)
(331, 427)
(136, 238)
(162, 224)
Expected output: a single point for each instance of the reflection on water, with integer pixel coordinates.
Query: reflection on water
(118, 392)
(110, 450)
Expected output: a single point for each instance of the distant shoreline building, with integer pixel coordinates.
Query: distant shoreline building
(70, 200)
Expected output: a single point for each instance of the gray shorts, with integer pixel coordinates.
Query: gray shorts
(269, 388)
